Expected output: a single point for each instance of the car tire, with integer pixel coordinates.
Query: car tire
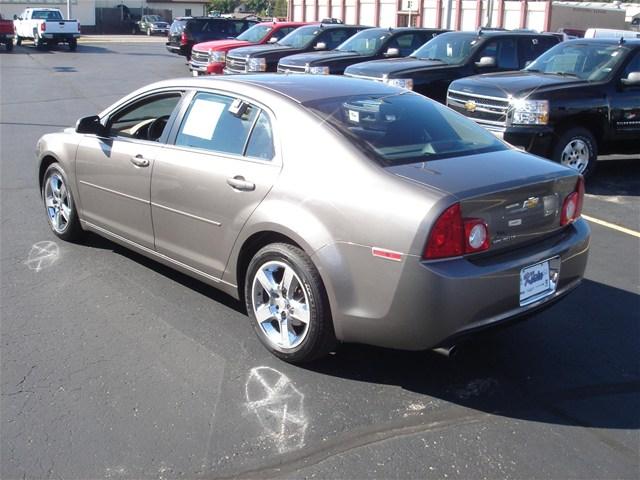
(59, 205)
(73, 45)
(303, 310)
(577, 148)
(148, 32)
(18, 40)
(37, 41)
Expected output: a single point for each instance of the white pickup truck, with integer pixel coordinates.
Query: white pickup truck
(46, 26)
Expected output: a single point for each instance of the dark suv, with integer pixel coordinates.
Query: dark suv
(370, 44)
(185, 32)
(264, 58)
(449, 56)
(578, 100)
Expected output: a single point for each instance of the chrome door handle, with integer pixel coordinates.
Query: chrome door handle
(239, 183)
(139, 161)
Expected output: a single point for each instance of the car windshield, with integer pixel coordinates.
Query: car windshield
(365, 42)
(404, 127)
(586, 61)
(301, 37)
(154, 18)
(46, 15)
(450, 48)
(255, 33)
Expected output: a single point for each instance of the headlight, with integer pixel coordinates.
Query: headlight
(529, 112)
(318, 70)
(217, 56)
(400, 82)
(256, 65)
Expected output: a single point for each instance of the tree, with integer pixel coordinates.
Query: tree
(259, 7)
(223, 6)
(280, 9)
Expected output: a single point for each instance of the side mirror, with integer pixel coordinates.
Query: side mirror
(392, 52)
(90, 125)
(632, 80)
(273, 40)
(15, 17)
(527, 63)
(486, 62)
(320, 46)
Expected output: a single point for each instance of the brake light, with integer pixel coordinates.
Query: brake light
(43, 27)
(452, 235)
(79, 30)
(183, 39)
(572, 206)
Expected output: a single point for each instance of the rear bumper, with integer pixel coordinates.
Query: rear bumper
(177, 49)
(415, 305)
(62, 37)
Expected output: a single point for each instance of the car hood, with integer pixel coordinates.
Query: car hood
(220, 45)
(264, 51)
(395, 67)
(514, 84)
(319, 57)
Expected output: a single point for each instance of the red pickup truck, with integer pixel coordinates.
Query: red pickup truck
(6, 33)
(208, 58)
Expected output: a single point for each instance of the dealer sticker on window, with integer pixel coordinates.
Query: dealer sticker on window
(535, 283)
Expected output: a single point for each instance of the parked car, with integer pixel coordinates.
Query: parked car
(209, 57)
(578, 100)
(185, 32)
(386, 219)
(369, 44)
(430, 69)
(6, 33)
(264, 58)
(46, 26)
(153, 24)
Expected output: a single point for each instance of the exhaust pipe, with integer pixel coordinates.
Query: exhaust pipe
(449, 352)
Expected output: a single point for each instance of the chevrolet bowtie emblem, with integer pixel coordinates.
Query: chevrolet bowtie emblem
(531, 202)
(470, 106)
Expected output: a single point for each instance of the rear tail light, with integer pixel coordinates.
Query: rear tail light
(183, 39)
(452, 235)
(572, 206)
(79, 30)
(43, 27)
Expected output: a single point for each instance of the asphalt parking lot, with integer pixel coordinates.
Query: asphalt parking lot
(113, 366)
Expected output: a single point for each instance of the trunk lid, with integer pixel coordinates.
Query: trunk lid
(518, 196)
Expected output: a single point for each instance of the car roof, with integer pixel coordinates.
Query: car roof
(299, 88)
(629, 42)
(288, 24)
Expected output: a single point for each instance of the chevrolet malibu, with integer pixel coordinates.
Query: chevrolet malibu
(339, 210)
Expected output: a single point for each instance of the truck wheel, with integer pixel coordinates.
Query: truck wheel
(73, 44)
(577, 148)
(288, 305)
(38, 42)
(18, 40)
(148, 32)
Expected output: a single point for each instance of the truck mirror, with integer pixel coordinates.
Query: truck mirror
(273, 40)
(392, 52)
(486, 62)
(15, 17)
(527, 63)
(320, 46)
(90, 125)
(632, 80)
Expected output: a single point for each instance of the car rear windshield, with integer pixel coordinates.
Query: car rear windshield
(404, 127)
(177, 26)
(255, 33)
(46, 15)
(365, 42)
(301, 37)
(450, 48)
(586, 61)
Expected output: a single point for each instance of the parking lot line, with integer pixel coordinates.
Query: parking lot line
(613, 226)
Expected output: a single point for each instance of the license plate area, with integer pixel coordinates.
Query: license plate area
(539, 281)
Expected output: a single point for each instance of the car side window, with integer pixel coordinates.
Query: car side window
(632, 66)
(146, 119)
(217, 123)
(404, 43)
(334, 37)
(260, 144)
(507, 54)
(238, 28)
(283, 32)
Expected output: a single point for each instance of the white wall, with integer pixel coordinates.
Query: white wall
(82, 10)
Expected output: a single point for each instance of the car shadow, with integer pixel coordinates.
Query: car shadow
(574, 364)
(615, 177)
(62, 48)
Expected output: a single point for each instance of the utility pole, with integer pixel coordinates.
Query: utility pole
(68, 9)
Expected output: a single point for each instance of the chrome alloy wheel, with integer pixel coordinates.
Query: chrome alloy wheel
(576, 155)
(280, 305)
(58, 202)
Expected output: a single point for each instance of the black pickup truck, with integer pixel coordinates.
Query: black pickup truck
(264, 58)
(369, 44)
(576, 101)
(430, 69)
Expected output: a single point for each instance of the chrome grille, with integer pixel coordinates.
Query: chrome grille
(236, 64)
(198, 56)
(291, 68)
(483, 109)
